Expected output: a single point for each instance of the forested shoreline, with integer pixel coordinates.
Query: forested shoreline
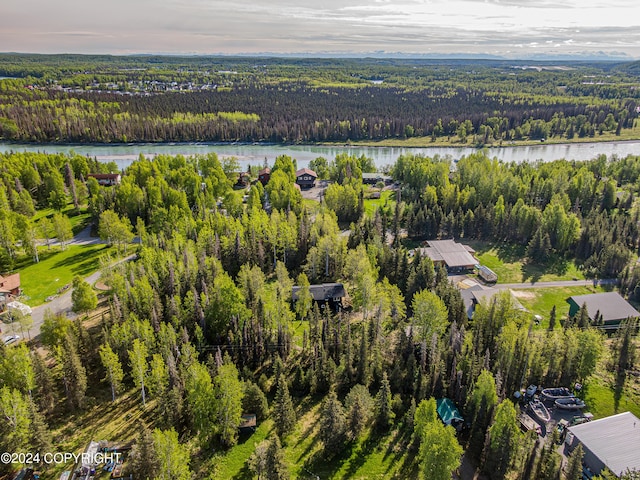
(200, 327)
(136, 99)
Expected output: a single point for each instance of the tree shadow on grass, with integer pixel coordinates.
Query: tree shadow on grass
(81, 263)
(556, 265)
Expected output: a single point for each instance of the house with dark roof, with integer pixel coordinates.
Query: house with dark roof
(330, 294)
(612, 442)
(264, 175)
(374, 178)
(455, 256)
(306, 178)
(106, 179)
(244, 178)
(609, 305)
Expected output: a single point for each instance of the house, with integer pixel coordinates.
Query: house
(9, 289)
(374, 178)
(324, 294)
(306, 178)
(610, 305)
(612, 442)
(454, 256)
(106, 179)
(264, 175)
(10, 285)
(244, 178)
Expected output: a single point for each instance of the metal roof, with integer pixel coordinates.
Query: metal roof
(452, 253)
(611, 306)
(322, 292)
(614, 440)
(447, 411)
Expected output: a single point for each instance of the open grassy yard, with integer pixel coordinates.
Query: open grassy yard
(79, 220)
(387, 198)
(540, 301)
(508, 262)
(57, 268)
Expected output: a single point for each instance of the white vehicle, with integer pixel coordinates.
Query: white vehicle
(9, 339)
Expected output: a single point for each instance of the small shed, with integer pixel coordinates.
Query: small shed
(248, 423)
(448, 413)
(486, 274)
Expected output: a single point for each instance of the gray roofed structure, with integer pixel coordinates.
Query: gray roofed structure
(322, 292)
(611, 306)
(453, 254)
(613, 442)
(478, 294)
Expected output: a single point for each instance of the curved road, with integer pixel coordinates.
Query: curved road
(62, 302)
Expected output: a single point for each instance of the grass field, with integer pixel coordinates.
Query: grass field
(57, 268)
(508, 262)
(540, 301)
(79, 220)
(371, 457)
(387, 197)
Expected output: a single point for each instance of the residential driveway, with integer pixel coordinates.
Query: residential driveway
(61, 304)
(563, 283)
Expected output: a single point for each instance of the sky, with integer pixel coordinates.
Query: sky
(511, 28)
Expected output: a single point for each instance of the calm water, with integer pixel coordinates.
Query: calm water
(123, 155)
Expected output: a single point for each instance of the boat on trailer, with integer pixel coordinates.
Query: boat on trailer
(540, 411)
(556, 393)
(570, 403)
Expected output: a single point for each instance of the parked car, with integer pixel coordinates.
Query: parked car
(9, 339)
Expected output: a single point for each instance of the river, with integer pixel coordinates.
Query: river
(254, 154)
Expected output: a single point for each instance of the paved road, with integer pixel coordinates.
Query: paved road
(562, 283)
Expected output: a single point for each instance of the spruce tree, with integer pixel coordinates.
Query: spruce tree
(574, 467)
(284, 413)
(275, 465)
(552, 318)
(384, 412)
(333, 425)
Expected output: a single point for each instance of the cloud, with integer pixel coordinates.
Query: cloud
(216, 26)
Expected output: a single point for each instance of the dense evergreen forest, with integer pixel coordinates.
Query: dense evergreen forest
(200, 326)
(78, 99)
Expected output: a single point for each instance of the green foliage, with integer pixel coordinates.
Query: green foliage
(228, 393)
(430, 316)
(83, 298)
(333, 425)
(284, 414)
(384, 414)
(172, 457)
(440, 453)
(113, 368)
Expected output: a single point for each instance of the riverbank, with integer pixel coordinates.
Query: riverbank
(626, 135)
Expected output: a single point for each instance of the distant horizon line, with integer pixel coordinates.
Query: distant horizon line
(584, 56)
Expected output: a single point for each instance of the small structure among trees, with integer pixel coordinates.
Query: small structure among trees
(455, 256)
(330, 294)
(306, 178)
(486, 274)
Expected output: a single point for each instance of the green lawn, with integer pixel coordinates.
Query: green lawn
(508, 262)
(540, 301)
(387, 198)
(79, 220)
(57, 268)
(371, 457)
